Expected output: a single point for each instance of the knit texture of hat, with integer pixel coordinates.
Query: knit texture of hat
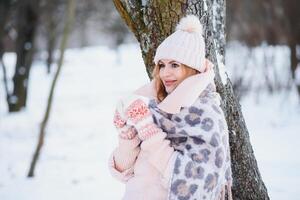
(186, 45)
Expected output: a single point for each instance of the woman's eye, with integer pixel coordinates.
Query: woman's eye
(161, 65)
(174, 65)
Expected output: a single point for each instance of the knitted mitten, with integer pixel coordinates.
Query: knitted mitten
(128, 149)
(139, 115)
(125, 131)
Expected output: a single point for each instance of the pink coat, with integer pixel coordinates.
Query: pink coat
(143, 180)
(149, 166)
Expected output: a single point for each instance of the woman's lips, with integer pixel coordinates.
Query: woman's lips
(169, 83)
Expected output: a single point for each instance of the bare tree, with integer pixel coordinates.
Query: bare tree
(51, 26)
(68, 23)
(151, 21)
(26, 23)
(291, 9)
(4, 15)
(274, 21)
(113, 26)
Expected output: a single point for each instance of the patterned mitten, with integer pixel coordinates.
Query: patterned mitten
(139, 115)
(125, 131)
(128, 149)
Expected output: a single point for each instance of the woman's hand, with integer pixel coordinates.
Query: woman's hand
(125, 131)
(139, 115)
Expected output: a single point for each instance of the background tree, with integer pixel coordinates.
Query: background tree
(68, 24)
(26, 23)
(276, 22)
(32, 27)
(151, 22)
(51, 14)
(5, 7)
(113, 26)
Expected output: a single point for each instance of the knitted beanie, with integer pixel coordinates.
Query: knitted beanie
(186, 45)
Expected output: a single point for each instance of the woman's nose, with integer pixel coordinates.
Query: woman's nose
(167, 71)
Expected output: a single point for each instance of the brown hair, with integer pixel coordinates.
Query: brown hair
(159, 86)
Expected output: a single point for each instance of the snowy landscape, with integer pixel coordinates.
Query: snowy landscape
(80, 135)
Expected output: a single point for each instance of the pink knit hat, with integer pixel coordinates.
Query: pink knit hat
(186, 45)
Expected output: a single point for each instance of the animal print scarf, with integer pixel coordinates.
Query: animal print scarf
(199, 133)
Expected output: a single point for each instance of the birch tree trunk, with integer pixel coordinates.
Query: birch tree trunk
(152, 21)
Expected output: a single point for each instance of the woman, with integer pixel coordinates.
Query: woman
(173, 137)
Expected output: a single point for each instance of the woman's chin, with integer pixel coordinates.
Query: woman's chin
(169, 89)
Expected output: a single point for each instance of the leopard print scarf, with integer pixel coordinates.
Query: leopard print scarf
(199, 133)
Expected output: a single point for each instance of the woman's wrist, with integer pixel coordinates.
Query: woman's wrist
(129, 144)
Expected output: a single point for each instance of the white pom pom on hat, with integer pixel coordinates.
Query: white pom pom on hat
(186, 45)
(190, 23)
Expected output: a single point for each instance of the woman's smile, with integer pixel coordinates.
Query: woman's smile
(169, 83)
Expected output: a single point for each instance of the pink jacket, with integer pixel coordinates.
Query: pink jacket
(146, 168)
(147, 178)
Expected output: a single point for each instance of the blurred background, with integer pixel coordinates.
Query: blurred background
(103, 62)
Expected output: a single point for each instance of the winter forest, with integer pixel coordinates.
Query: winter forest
(65, 64)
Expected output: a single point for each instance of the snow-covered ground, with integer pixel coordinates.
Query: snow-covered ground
(80, 134)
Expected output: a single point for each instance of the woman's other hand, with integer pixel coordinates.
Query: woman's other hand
(125, 131)
(139, 115)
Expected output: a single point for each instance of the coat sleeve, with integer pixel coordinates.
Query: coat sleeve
(122, 159)
(121, 176)
(161, 155)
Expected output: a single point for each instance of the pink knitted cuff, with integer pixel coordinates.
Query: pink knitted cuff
(127, 132)
(148, 130)
(128, 145)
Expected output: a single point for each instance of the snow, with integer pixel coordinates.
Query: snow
(297, 75)
(144, 2)
(80, 135)
(222, 69)
(259, 65)
(274, 126)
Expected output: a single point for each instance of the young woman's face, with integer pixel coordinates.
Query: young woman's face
(172, 73)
